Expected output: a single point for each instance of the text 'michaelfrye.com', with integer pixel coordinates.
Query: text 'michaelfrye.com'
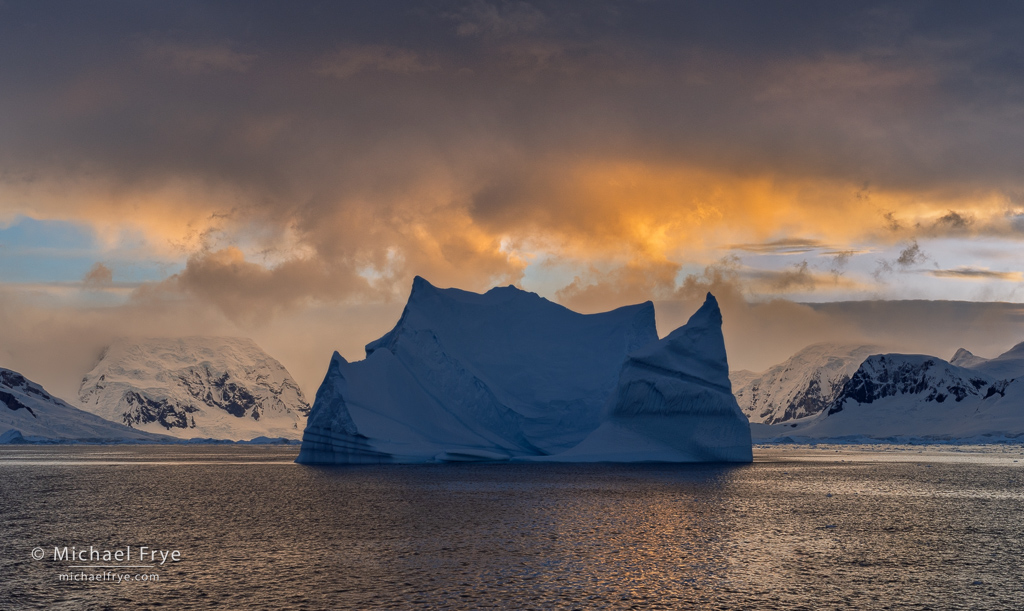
(93, 564)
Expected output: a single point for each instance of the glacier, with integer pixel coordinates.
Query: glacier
(509, 375)
(29, 413)
(224, 388)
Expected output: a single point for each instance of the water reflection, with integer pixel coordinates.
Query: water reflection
(257, 531)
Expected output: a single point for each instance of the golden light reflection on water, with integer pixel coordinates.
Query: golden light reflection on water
(773, 534)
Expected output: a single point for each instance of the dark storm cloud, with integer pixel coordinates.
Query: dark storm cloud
(385, 139)
(728, 83)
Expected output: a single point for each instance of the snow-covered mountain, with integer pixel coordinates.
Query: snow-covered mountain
(506, 374)
(916, 378)
(741, 377)
(966, 358)
(27, 410)
(1008, 365)
(914, 395)
(803, 385)
(207, 387)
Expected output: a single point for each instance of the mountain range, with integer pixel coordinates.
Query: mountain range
(818, 394)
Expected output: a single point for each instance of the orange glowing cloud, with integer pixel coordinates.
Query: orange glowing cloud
(659, 212)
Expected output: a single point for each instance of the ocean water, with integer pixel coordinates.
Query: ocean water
(801, 528)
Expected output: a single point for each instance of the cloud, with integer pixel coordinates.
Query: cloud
(892, 223)
(797, 278)
(194, 59)
(248, 292)
(499, 19)
(788, 246)
(632, 152)
(839, 262)
(954, 221)
(98, 276)
(596, 290)
(353, 59)
(975, 273)
(909, 256)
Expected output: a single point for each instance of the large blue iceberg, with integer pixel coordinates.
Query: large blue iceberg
(509, 375)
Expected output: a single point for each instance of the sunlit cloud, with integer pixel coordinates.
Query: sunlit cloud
(255, 172)
(799, 278)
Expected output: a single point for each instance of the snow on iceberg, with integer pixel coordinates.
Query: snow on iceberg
(511, 375)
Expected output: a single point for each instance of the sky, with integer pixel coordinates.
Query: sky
(280, 170)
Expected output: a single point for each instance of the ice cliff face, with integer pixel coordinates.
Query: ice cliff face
(28, 411)
(465, 376)
(673, 402)
(802, 386)
(216, 387)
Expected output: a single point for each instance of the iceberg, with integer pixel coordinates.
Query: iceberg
(509, 375)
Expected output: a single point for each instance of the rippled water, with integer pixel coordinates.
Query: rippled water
(799, 529)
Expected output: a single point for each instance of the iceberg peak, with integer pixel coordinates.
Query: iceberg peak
(697, 348)
(708, 314)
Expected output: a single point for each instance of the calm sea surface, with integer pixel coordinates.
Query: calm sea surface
(801, 528)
